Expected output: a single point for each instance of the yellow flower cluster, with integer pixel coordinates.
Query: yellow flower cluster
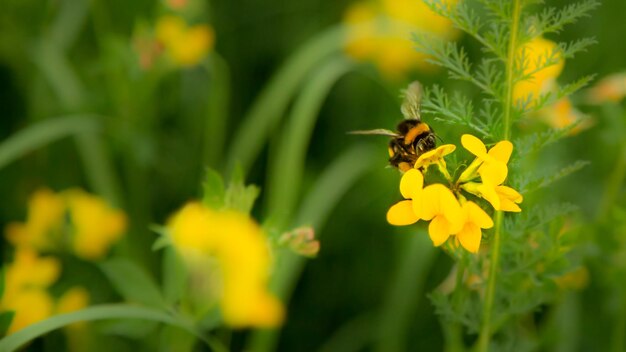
(380, 32)
(185, 45)
(241, 248)
(447, 209)
(27, 280)
(93, 228)
(542, 80)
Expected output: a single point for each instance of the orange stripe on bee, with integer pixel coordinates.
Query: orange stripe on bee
(414, 132)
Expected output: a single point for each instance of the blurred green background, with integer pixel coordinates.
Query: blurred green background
(155, 145)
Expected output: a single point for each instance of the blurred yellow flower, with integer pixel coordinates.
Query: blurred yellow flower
(97, 226)
(610, 89)
(45, 216)
(25, 288)
(242, 251)
(380, 32)
(185, 45)
(476, 219)
(536, 53)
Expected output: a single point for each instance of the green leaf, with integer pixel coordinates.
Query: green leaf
(109, 311)
(132, 282)
(5, 321)
(213, 188)
(238, 196)
(174, 276)
(127, 328)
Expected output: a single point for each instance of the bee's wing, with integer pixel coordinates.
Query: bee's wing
(378, 131)
(412, 101)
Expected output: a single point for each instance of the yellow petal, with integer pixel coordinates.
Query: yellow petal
(402, 214)
(489, 194)
(439, 230)
(501, 151)
(474, 145)
(493, 172)
(411, 183)
(478, 216)
(470, 237)
(510, 193)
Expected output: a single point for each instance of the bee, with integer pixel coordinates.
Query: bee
(413, 137)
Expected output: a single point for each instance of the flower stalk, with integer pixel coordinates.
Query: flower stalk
(486, 329)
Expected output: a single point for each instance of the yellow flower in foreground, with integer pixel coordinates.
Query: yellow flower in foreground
(435, 203)
(45, 215)
(241, 249)
(97, 226)
(439, 205)
(476, 219)
(610, 89)
(435, 156)
(536, 53)
(491, 166)
(185, 45)
(380, 32)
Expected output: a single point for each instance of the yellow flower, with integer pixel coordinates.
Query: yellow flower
(435, 156)
(26, 281)
(97, 226)
(610, 89)
(380, 32)
(186, 46)
(502, 198)
(402, 213)
(438, 204)
(241, 249)
(536, 52)
(491, 166)
(45, 215)
(476, 219)
(435, 203)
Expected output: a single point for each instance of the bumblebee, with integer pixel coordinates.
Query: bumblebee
(413, 137)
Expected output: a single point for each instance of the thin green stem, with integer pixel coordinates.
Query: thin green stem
(218, 100)
(485, 331)
(486, 328)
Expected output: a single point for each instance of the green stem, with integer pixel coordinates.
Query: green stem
(486, 328)
(218, 100)
(101, 312)
(273, 100)
(289, 160)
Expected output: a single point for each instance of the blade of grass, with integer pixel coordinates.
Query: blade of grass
(50, 130)
(288, 162)
(218, 104)
(273, 100)
(107, 311)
